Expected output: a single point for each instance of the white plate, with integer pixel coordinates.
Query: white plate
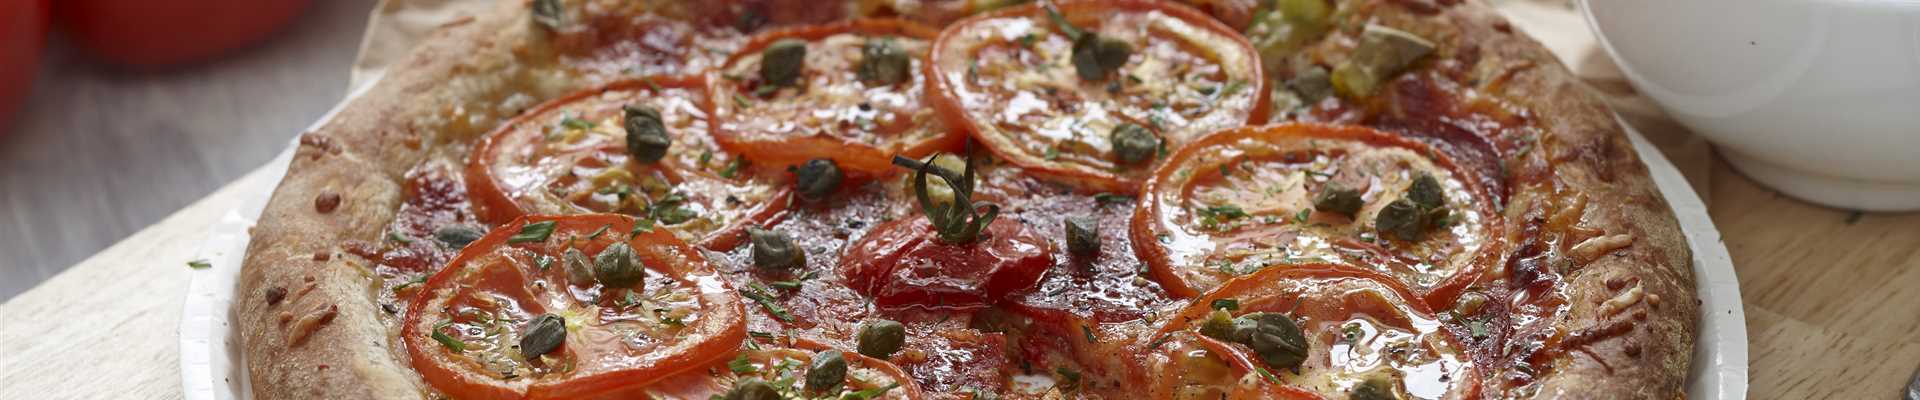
(211, 367)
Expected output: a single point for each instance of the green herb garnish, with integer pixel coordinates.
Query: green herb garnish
(532, 232)
(961, 220)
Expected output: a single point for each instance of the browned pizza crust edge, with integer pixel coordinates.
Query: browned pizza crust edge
(307, 311)
(1636, 275)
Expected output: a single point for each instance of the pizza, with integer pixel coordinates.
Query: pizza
(920, 199)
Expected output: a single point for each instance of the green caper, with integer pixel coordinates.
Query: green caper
(543, 335)
(579, 268)
(752, 389)
(1219, 325)
(1274, 337)
(647, 139)
(881, 338)
(1133, 143)
(1083, 236)
(547, 13)
(1402, 220)
(775, 250)
(827, 371)
(1311, 85)
(817, 178)
(781, 62)
(1373, 389)
(1291, 24)
(618, 267)
(1425, 192)
(1338, 200)
(1382, 53)
(457, 236)
(1095, 57)
(883, 63)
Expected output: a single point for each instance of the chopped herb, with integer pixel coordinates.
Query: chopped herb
(1069, 379)
(547, 13)
(706, 156)
(655, 87)
(1477, 328)
(1159, 341)
(1225, 304)
(415, 281)
(794, 283)
(758, 294)
(1108, 198)
(597, 232)
(199, 264)
(733, 168)
(1088, 333)
(532, 232)
(765, 90)
(543, 261)
(1233, 87)
(1053, 153)
(742, 101)
(870, 393)
(1302, 216)
(439, 335)
(1266, 374)
(399, 237)
(740, 365)
(575, 123)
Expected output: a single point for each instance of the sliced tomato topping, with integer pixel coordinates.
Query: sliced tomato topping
(830, 111)
(569, 156)
(784, 366)
(1010, 79)
(465, 330)
(1359, 326)
(903, 263)
(1245, 199)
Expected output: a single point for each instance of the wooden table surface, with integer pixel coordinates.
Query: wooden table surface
(1831, 297)
(100, 152)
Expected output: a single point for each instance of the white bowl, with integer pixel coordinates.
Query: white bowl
(1817, 98)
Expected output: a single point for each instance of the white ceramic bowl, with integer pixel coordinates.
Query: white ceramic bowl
(1817, 98)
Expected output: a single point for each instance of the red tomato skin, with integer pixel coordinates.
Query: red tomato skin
(902, 263)
(154, 34)
(23, 30)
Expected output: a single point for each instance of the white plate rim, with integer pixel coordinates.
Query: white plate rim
(211, 367)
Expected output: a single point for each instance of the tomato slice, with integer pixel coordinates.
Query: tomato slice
(830, 112)
(1245, 199)
(569, 156)
(902, 263)
(463, 332)
(784, 365)
(1360, 325)
(1008, 79)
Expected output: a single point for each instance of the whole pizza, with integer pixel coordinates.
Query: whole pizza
(917, 199)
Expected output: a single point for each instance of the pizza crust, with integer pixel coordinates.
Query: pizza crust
(308, 311)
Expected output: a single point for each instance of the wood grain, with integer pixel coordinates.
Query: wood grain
(100, 152)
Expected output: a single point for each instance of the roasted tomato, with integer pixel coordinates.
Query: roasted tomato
(570, 307)
(572, 156)
(1308, 331)
(956, 258)
(849, 91)
(793, 368)
(1094, 92)
(1245, 199)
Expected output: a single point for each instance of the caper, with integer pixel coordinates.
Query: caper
(883, 63)
(780, 62)
(827, 371)
(1083, 235)
(1338, 200)
(1283, 30)
(1095, 56)
(1425, 192)
(1373, 389)
(1274, 337)
(543, 335)
(752, 389)
(1219, 325)
(579, 268)
(1133, 144)
(1402, 220)
(1382, 53)
(817, 178)
(618, 267)
(881, 338)
(1311, 84)
(775, 250)
(647, 139)
(457, 236)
